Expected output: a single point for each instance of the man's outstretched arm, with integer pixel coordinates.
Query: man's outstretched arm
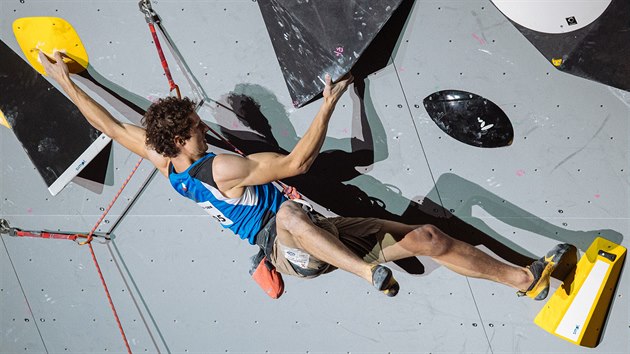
(235, 172)
(130, 136)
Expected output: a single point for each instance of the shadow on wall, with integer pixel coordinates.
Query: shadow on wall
(267, 128)
(99, 171)
(326, 183)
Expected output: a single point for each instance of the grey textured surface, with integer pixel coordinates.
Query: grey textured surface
(180, 283)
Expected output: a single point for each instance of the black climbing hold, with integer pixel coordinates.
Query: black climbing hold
(470, 118)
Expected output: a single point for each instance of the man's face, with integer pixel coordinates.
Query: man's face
(196, 144)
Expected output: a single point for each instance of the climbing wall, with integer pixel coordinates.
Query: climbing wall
(180, 283)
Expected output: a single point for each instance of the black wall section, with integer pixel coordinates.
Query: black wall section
(51, 129)
(597, 52)
(314, 38)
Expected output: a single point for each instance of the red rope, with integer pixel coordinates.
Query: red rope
(167, 71)
(98, 268)
(109, 298)
(90, 237)
(289, 191)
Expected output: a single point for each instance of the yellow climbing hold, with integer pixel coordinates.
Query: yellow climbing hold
(556, 62)
(50, 34)
(578, 309)
(3, 120)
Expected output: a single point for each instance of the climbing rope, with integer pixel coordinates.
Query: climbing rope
(98, 268)
(109, 298)
(5, 228)
(153, 20)
(109, 207)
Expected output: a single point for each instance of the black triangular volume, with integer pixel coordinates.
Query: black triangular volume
(597, 52)
(318, 37)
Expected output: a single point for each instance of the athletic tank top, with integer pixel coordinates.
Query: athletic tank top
(245, 215)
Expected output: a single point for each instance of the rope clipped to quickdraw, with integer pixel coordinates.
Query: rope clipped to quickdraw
(154, 21)
(152, 18)
(6, 229)
(111, 204)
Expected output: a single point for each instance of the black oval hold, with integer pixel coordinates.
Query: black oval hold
(470, 118)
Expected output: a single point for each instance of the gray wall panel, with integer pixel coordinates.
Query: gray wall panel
(19, 328)
(180, 282)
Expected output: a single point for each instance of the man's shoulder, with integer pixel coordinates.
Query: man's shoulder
(225, 160)
(160, 162)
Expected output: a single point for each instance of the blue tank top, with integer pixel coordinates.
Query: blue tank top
(245, 215)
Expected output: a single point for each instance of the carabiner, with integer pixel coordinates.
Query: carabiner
(4, 227)
(149, 15)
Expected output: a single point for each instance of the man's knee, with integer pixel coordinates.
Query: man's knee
(430, 241)
(291, 217)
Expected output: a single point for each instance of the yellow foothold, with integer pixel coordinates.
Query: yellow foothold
(3, 120)
(556, 62)
(50, 34)
(578, 310)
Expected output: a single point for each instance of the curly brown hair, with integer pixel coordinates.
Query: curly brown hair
(166, 119)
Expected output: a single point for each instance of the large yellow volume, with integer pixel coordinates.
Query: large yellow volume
(577, 310)
(50, 34)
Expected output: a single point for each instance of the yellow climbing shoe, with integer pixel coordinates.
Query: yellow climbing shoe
(541, 270)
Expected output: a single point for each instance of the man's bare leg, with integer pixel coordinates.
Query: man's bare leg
(295, 230)
(461, 257)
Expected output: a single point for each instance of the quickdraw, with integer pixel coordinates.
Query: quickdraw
(6, 229)
(152, 18)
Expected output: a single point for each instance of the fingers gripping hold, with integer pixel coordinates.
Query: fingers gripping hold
(334, 91)
(55, 67)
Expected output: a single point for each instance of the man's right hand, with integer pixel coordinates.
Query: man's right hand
(333, 91)
(57, 69)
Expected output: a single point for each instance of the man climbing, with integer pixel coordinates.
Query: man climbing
(237, 191)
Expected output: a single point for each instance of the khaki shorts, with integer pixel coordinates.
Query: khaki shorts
(362, 236)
